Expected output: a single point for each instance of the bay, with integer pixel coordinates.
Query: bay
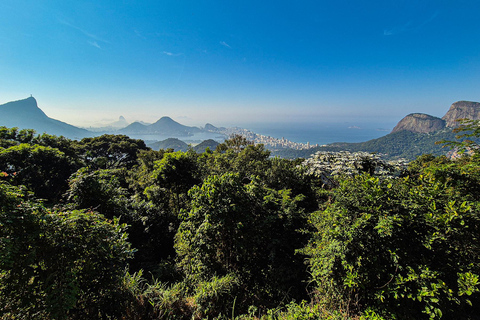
(323, 133)
(300, 132)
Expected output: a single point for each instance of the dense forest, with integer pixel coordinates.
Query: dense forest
(106, 228)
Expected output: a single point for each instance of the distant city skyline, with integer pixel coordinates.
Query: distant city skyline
(237, 63)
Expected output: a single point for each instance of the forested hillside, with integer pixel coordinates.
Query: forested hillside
(402, 144)
(107, 228)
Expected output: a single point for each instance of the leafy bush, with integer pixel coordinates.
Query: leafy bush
(406, 246)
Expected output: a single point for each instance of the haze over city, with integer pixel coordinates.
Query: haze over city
(234, 63)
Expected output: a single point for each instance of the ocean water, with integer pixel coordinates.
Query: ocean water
(323, 133)
(315, 133)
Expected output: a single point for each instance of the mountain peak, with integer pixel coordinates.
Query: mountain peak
(163, 126)
(166, 119)
(25, 114)
(419, 123)
(23, 109)
(462, 110)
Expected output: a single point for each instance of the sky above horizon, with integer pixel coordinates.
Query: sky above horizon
(234, 63)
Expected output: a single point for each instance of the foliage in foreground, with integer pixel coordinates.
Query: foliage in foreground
(57, 264)
(247, 233)
(224, 234)
(407, 247)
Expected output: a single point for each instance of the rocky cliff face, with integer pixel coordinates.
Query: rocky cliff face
(419, 123)
(462, 110)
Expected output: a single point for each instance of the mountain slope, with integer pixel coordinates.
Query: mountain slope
(401, 144)
(25, 114)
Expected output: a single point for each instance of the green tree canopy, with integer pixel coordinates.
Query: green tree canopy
(44, 170)
(243, 229)
(111, 151)
(57, 265)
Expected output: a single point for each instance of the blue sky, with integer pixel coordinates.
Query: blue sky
(239, 62)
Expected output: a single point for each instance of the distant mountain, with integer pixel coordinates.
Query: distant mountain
(25, 114)
(120, 123)
(143, 122)
(419, 123)
(170, 143)
(417, 133)
(401, 144)
(135, 127)
(424, 123)
(165, 126)
(211, 128)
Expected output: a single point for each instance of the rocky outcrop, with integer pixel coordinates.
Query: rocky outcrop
(419, 123)
(462, 110)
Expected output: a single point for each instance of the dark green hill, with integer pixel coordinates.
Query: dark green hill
(25, 114)
(170, 143)
(201, 147)
(402, 144)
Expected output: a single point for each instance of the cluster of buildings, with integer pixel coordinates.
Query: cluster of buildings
(267, 140)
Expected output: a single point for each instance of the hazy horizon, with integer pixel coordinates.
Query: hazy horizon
(93, 121)
(239, 63)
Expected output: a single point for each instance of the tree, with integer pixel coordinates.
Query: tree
(44, 170)
(140, 176)
(235, 142)
(245, 230)
(99, 190)
(237, 155)
(12, 136)
(174, 175)
(57, 265)
(110, 151)
(463, 144)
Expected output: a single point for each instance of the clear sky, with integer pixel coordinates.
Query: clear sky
(234, 62)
